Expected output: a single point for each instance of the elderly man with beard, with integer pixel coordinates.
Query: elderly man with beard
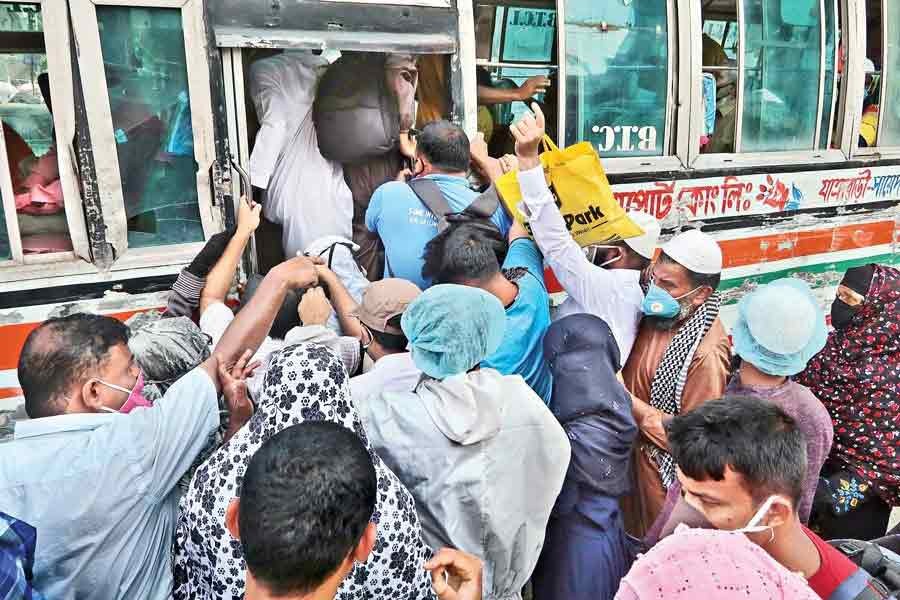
(679, 361)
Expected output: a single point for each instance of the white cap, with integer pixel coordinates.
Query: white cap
(645, 245)
(868, 66)
(695, 251)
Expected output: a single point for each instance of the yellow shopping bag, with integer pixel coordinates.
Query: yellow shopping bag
(582, 192)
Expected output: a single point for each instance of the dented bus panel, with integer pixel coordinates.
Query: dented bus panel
(758, 121)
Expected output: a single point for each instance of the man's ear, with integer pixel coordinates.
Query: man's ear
(702, 295)
(90, 395)
(366, 543)
(779, 514)
(231, 518)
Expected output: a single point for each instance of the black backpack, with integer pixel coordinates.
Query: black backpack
(478, 213)
(878, 577)
(355, 115)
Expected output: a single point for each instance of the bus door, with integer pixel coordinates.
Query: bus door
(248, 31)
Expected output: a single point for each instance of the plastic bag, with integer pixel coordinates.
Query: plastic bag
(583, 195)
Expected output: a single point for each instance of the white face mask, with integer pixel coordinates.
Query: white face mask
(753, 525)
(591, 253)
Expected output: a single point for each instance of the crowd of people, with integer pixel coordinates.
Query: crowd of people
(441, 433)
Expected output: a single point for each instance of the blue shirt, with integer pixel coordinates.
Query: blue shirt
(405, 225)
(527, 320)
(100, 491)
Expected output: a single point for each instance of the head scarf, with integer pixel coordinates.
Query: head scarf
(857, 378)
(165, 349)
(590, 403)
(705, 563)
(302, 383)
(452, 328)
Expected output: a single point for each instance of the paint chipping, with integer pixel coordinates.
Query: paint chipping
(11, 317)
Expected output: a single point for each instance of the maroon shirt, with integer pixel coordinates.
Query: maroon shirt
(812, 419)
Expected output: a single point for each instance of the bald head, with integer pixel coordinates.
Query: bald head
(61, 353)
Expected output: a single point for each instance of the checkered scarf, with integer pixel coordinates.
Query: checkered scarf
(671, 375)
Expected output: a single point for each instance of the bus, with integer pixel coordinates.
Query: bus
(774, 125)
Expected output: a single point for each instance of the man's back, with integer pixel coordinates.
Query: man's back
(406, 225)
(97, 488)
(484, 459)
(527, 320)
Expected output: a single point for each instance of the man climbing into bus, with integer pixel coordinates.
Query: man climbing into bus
(679, 360)
(609, 286)
(94, 470)
(400, 217)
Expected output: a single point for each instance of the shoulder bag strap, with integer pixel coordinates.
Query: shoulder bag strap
(433, 199)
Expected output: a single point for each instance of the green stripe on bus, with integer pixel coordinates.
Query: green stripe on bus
(884, 259)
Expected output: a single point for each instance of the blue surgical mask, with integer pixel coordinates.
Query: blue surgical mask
(660, 303)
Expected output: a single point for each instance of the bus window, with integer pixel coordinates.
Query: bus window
(515, 48)
(720, 72)
(781, 75)
(28, 133)
(617, 76)
(890, 132)
(767, 86)
(868, 129)
(146, 74)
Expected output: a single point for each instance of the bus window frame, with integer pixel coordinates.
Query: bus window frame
(740, 159)
(55, 32)
(677, 106)
(99, 114)
(857, 82)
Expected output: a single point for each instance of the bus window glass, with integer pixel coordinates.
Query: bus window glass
(146, 73)
(868, 129)
(528, 35)
(890, 132)
(617, 62)
(829, 104)
(520, 44)
(720, 76)
(781, 74)
(28, 131)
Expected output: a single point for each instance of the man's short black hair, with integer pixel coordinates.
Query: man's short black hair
(445, 146)
(696, 279)
(755, 438)
(463, 252)
(62, 352)
(306, 499)
(286, 318)
(389, 341)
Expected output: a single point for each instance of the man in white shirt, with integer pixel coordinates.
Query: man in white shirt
(376, 322)
(609, 286)
(305, 193)
(94, 470)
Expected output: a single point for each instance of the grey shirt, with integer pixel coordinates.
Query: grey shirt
(99, 490)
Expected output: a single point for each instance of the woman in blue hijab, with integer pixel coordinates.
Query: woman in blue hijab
(586, 552)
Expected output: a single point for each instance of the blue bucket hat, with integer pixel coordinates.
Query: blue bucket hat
(452, 328)
(780, 327)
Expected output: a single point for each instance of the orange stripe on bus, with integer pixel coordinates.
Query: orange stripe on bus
(9, 393)
(781, 246)
(14, 338)
(768, 248)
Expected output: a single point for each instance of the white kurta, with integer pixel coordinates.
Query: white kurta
(306, 194)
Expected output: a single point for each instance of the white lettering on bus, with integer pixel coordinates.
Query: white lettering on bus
(624, 135)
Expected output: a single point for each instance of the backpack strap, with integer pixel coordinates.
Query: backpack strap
(433, 199)
(485, 204)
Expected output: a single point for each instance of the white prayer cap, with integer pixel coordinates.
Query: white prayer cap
(645, 245)
(695, 251)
